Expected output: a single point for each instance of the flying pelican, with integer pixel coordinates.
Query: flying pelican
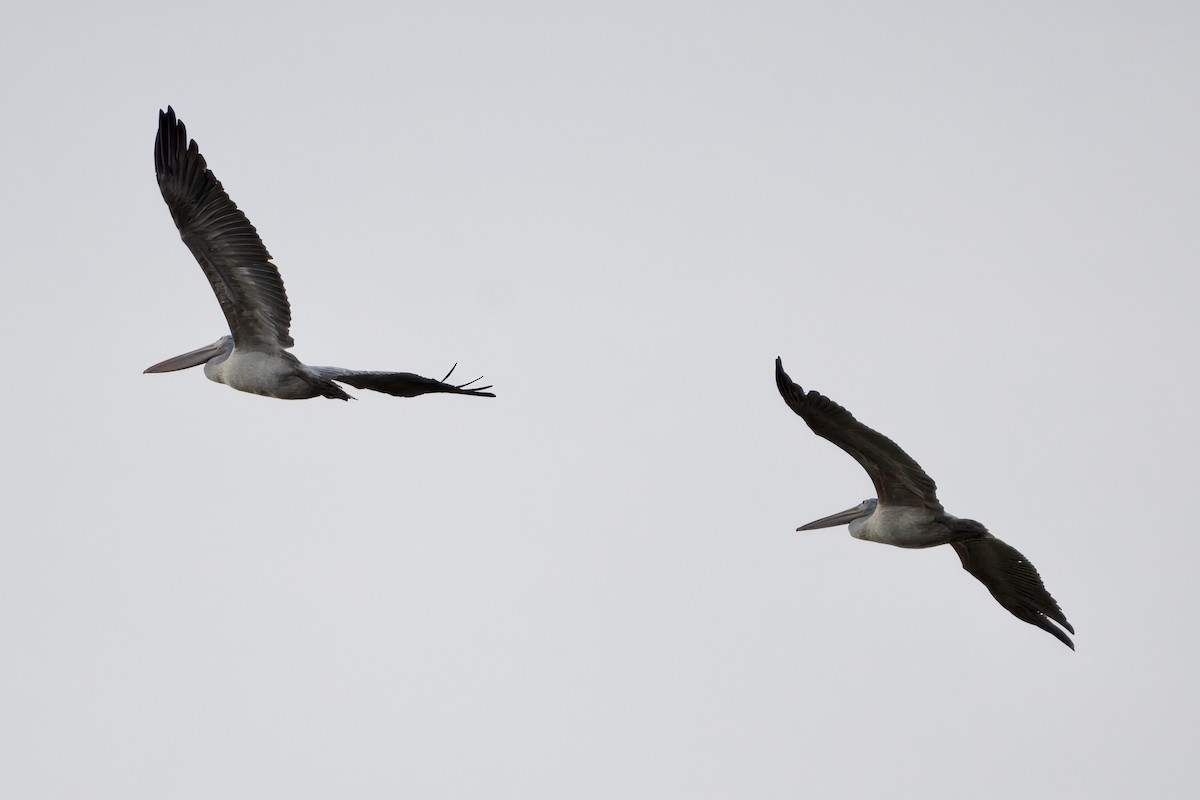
(906, 511)
(254, 358)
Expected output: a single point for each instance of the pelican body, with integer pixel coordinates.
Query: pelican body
(254, 357)
(906, 512)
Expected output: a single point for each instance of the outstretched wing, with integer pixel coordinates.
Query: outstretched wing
(400, 384)
(1014, 583)
(228, 248)
(899, 481)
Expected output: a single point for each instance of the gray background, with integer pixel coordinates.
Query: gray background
(974, 225)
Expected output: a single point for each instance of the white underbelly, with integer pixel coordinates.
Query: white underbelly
(901, 526)
(258, 373)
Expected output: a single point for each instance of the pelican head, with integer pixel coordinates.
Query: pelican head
(861, 511)
(221, 349)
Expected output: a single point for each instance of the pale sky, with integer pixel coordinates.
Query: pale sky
(973, 225)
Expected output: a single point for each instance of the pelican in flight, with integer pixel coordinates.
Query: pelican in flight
(254, 357)
(906, 513)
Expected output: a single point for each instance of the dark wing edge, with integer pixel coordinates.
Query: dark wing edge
(1014, 582)
(247, 285)
(400, 384)
(898, 479)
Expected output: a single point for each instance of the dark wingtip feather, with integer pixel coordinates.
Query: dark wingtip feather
(1045, 625)
(789, 390)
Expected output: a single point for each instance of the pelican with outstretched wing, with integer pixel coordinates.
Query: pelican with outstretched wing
(254, 357)
(905, 512)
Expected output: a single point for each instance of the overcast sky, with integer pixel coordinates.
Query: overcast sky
(973, 225)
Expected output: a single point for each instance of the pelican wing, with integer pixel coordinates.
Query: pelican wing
(1014, 582)
(400, 384)
(898, 480)
(228, 248)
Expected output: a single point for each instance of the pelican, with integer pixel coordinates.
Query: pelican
(254, 357)
(906, 513)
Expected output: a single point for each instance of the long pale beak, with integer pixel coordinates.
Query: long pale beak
(192, 359)
(840, 518)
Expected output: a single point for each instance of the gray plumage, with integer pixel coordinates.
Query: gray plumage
(907, 513)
